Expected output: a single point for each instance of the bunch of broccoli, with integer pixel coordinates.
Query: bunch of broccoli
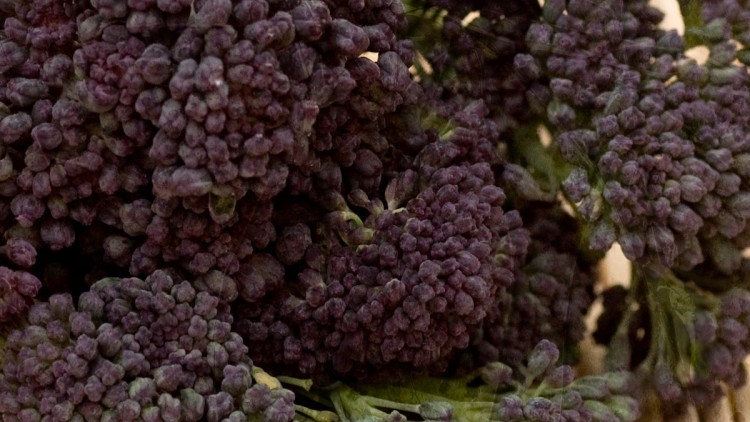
(355, 196)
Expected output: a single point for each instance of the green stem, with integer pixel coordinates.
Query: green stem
(339, 407)
(388, 404)
(691, 15)
(672, 307)
(527, 145)
(304, 384)
(316, 415)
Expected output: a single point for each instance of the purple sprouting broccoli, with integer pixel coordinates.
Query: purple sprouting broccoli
(404, 281)
(467, 50)
(236, 121)
(548, 391)
(157, 349)
(650, 148)
(551, 296)
(706, 337)
(136, 136)
(329, 188)
(653, 142)
(18, 288)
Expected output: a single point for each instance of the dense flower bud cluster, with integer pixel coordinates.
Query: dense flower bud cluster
(561, 396)
(190, 134)
(162, 127)
(719, 334)
(35, 45)
(408, 285)
(656, 141)
(552, 293)
(354, 196)
(136, 350)
(548, 392)
(467, 50)
(708, 336)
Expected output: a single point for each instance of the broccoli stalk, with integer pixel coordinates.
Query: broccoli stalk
(490, 393)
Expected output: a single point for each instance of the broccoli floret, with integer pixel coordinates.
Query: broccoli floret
(405, 285)
(552, 293)
(137, 349)
(547, 392)
(164, 132)
(362, 191)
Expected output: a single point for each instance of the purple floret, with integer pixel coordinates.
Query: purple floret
(406, 286)
(124, 370)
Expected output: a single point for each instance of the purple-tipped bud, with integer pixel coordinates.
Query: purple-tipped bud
(108, 372)
(193, 405)
(183, 292)
(63, 411)
(221, 285)
(172, 119)
(436, 411)
(561, 115)
(281, 410)
(205, 305)
(169, 408)
(219, 406)
(684, 220)
(602, 236)
(496, 374)
(173, 6)
(13, 126)
(724, 255)
(212, 13)
(348, 39)
(537, 408)
(734, 303)
(58, 234)
(577, 185)
(311, 18)
(154, 64)
(96, 97)
(198, 327)
(632, 245)
(541, 359)
(146, 24)
(20, 252)
(24, 92)
(109, 341)
(592, 387)
(91, 303)
(599, 411)
(510, 408)
(118, 249)
(539, 38)
(732, 332)
(704, 327)
(169, 377)
(26, 284)
(692, 188)
(11, 55)
(142, 390)
(128, 410)
(739, 205)
(30, 415)
(661, 241)
(81, 324)
(560, 377)
(292, 243)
